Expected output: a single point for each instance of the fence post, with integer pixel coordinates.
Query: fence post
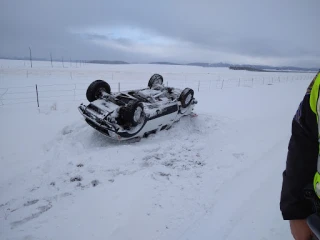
(37, 94)
(198, 86)
(239, 83)
(118, 86)
(252, 83)
(2, 96)
(30, 57)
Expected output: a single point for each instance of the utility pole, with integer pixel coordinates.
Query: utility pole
(30, 57)
(51, 60)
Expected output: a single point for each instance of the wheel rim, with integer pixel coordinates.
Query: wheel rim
(157, 82)
(99, 93)
(188, 99)
(137, 114)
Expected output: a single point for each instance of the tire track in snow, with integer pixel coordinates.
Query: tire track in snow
(235, 198)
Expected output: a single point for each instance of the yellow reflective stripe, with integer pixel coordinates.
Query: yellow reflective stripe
(315, 107)
(315, 93)
(316, 184)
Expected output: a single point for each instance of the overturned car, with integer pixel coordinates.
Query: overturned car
(136, 113)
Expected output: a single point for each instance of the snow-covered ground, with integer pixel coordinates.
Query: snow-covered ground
(214, 176)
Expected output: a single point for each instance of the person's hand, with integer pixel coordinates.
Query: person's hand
(300, 230)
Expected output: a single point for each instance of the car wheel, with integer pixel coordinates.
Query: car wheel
(96, 88)
(186, 97)
(133, 113)
(156, 79)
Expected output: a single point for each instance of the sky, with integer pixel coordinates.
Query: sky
(271, 32)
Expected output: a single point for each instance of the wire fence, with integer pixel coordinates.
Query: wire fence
(39, 94)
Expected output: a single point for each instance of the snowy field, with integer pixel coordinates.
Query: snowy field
(213, 176)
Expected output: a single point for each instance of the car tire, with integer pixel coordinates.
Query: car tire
(186, 97)
(156, 79)
(133, 113)
(96, 88)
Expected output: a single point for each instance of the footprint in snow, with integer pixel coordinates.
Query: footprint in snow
(94, 183)
(31, 202)
(76, 179)
(66, 130)
(238, 155)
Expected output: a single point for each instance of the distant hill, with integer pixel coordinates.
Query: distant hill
(200, 64)
(24, 58)
(107, 62)
(247, 69)
(258, 68)
(266, 68)
(165, 63)
(292, 69)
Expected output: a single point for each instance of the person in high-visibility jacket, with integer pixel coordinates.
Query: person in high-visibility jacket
(303, 163)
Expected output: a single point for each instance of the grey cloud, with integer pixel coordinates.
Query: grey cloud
(94, 36)
(279, 29)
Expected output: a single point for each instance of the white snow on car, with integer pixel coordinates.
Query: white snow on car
(136, 113)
